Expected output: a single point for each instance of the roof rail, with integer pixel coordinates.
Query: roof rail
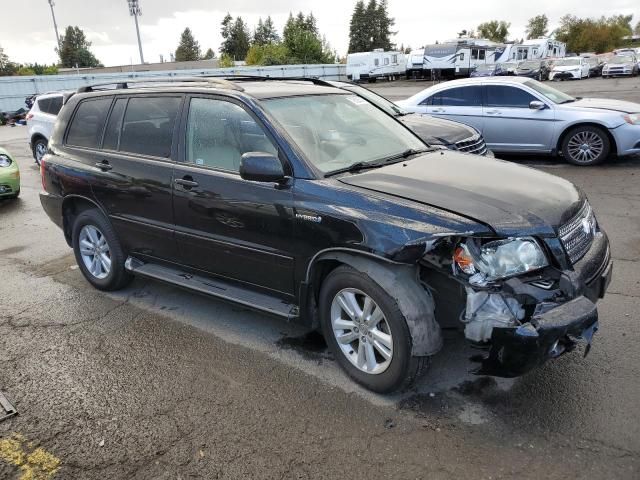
(249, 78)
(214, 81)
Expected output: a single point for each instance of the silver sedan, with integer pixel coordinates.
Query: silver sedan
(521, 115)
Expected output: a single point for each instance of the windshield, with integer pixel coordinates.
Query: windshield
(530, 65)
(567, 62)
(379, 101)
(556, 96)
(621, 59)
(486, 68)
(337, 131)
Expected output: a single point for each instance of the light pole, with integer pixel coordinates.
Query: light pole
(55, 25)
(135, 12)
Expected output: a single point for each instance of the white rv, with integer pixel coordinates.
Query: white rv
(415, 63)
(457, 58)
(377, 64)
(539, 48)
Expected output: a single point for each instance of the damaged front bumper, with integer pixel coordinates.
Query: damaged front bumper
(549, 334)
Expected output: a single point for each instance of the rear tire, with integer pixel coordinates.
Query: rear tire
(391, 368)
(98, 251)
(39, 149)
(586, 146)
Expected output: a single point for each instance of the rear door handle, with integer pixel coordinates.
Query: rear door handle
(493, 112)
(104, 165)
(187, 182)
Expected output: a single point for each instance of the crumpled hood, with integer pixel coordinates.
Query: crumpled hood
(607, 104)
(437, 131)
(511, 199)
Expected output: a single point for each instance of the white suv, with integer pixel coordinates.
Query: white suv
(40, 121)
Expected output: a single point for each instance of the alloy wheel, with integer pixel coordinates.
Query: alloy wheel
(361, 331)
(585, 147)
(95, 251)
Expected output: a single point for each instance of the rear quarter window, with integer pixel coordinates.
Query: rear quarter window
(88, 122)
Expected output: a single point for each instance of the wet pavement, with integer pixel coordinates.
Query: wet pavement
(155, 382)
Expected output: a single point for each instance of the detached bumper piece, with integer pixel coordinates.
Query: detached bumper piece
(516, 350)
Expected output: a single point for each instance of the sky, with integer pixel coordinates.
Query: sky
(27, 34)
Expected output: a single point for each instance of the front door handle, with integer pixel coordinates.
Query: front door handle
(437, 110)
(187, 182)
(104, 165)
(493, 112)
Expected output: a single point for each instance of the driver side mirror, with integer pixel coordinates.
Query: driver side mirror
(537, 105)
(261, 167)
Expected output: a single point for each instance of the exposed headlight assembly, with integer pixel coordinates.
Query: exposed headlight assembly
(5, 161)
(498, 259)
(632, 118)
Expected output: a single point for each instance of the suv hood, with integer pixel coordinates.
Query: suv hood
(437, 131)
(511, 199)
(606, 104)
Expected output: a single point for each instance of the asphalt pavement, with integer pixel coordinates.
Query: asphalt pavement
(158, 383)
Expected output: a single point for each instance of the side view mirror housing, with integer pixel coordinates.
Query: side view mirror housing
(537, 105)
(261, 167)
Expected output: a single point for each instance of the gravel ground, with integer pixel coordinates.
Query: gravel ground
(158, 383)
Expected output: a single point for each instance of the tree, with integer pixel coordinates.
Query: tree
(265, 32)
(225, 61)
(494, 30)
(636, 31)
(188, 49)
(300, 37)
(74, 49)
(370, 27)
(268, 54)
(236, 37)
(358, 29)
(593, 35)
(7, 67)
(464, 33)
(383, 25)
(537, 27)
(209, 54)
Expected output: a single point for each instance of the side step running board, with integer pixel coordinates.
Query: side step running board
(213, 287)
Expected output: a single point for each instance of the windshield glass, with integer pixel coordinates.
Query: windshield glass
(485, 68)
(621, 59)
(556, 96)
(567, 62)
(380, 102)
(336, 131)
(530, 64)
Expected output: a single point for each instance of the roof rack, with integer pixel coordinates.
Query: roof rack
(249, 78)
(214, 81)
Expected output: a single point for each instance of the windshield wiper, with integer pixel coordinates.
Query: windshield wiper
(358, 166)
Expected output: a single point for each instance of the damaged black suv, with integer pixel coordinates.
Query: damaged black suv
(308, 202)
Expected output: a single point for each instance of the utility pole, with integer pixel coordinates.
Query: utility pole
(135, 12)
(55, 25)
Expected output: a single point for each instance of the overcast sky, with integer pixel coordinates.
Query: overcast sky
(26, 28)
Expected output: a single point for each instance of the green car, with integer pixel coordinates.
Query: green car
(9, 176)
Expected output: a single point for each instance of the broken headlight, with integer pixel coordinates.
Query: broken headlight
(499, 258)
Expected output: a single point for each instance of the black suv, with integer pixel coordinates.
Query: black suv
(310, 203)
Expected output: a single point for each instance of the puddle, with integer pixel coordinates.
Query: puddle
(310, 345)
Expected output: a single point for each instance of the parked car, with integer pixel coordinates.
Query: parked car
(595, 66)
(573, 68)
(538, 69)
(310, 203)
(41, 119)
(9, 176)
(490, 70)
(620, 65)
(520, 115)
(434, 131)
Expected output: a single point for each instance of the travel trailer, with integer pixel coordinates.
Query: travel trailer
(539, 48)
(377, 64)
(415, 63)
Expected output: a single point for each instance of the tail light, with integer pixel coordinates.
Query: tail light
(29, 116)
(42, 174)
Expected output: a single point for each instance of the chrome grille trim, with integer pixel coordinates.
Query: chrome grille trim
(573, 235)
(475, 144)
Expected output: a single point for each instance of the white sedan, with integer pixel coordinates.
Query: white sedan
(571, 68)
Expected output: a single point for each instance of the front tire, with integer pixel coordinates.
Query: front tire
(98, 251)
(39, 149)
(586, 146)
(366, 332)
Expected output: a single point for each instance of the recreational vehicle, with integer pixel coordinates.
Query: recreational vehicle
(415, 63)
(377, 64)
(460, 57)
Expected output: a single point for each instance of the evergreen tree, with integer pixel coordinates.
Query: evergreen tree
(209, 54)
(636, 30)
(383, 24)
(358, 29)
(265, 33)
(74, 49)
(300, 37)
(188, 48)
(236, 38)
(370, 27)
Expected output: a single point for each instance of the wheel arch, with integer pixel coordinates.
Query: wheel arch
(399, 280)
(604, 128)
(72, 206)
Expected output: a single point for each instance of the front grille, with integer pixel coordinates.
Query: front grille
(473, 144)
(577, 234)
(617, 70)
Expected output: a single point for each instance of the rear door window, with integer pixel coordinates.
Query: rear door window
(148, 124)
(508, 97)
(88, 122)
(457, 97)
(114, 126)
